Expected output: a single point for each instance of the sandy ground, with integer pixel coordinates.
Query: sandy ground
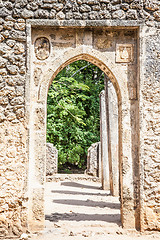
(79, 209)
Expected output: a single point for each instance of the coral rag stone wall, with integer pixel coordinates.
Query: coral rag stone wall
(13, 161)
(12, 179)
(148, 10)
(151, 129)
(13, 125)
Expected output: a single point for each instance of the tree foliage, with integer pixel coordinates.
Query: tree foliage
(73, 119)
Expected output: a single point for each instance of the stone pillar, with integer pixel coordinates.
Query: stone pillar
(109, 138)
(104, 143)
(113, 130)
(106, 80)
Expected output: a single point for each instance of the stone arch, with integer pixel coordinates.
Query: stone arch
(38, 134)
(97, 63)
(95, 57)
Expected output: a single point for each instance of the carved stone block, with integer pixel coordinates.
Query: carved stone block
(124, 53)
(42, 48)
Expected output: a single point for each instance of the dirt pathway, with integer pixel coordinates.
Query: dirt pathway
(79, 209)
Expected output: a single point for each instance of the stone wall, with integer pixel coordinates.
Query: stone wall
(94, 160)
(151, 129)
(12, 179)
(80, 10)
(51, 160)
(14, 126)
(13, 157)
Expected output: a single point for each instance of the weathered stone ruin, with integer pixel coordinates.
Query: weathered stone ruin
(94, 160)
(37, 40)
(51, 160)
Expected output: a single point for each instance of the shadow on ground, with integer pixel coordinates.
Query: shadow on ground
(110, 218)
(78, 185)
(88, 203)
(81, 193)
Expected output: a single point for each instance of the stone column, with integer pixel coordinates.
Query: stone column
(113, 130)
(104, 143)
(109, 138)
(106, 80)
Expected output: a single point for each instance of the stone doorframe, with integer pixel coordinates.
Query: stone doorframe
(36, 101)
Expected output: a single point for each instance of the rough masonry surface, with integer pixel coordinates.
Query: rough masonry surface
(93, 160)
(51, 160)
(14, 133)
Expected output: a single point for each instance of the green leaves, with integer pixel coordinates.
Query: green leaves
(73, 111)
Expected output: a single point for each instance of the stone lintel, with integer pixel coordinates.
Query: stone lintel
(88, 23)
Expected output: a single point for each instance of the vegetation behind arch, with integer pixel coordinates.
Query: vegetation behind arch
(73, 118)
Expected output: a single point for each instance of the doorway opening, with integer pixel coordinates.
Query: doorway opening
(81, 109)
(73, 114)
(82, 124)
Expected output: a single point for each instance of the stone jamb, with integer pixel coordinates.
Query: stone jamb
(143, 32)
(38, 23)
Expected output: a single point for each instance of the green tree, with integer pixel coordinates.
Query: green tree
(73, 121)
